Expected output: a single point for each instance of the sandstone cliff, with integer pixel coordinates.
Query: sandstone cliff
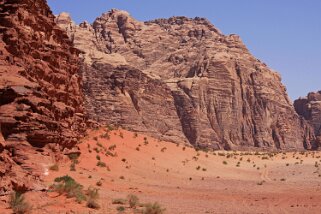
(181, 79)
(310, 109)
(40, 90)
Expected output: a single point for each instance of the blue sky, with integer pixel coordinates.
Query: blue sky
(285, 34)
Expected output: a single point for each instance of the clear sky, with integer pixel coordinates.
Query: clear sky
(285, 34)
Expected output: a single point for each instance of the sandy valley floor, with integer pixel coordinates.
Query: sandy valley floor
(186, 181)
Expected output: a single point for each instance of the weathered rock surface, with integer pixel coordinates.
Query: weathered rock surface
(310, 109)
(222, 96)
(40, 90)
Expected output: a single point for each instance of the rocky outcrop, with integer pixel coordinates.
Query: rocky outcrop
(40, 90)
(216, 94)
(310, 109)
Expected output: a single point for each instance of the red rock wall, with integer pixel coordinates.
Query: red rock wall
(40, 89)
(309, 108)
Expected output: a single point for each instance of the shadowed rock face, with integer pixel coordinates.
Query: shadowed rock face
(310, 108)
(216, 94)
(40, 92)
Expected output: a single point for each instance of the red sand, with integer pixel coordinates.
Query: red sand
(171, 178)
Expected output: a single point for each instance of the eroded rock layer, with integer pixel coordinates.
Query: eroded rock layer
(309, 108)
(40, 90)
(216, 94)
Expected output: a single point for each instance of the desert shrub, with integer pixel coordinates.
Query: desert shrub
(72, 166)
(163, 149)
(135, 135)
(68, 186)
(95, 138)
(260, 183)
(112, 147)
(73, 156)
(54, 167)
(108, 153)
(198, 168)
(121, 135)
(92, 197)
(119, 201)
(110, 127)
(154, 208)
(98, 157)
(121, 177)
(224, 162)
(133, 200)
(18, 204)
(106, 136)
(99, 183)
(120, 209)
(123, 160)
(101, 164)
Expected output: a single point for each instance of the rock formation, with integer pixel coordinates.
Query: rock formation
(181, 79)
(40, 91)
(310, 109)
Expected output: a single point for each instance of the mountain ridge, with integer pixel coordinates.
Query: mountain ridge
(201, 67)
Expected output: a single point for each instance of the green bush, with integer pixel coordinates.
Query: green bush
(67, 185)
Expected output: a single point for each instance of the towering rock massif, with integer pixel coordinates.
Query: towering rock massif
(40, 92)
(181, 79)
(310, 109)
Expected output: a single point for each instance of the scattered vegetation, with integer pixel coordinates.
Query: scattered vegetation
(133, 200)
(92, 197)
(101, 164)
(153, 208)
(54, 167)
(119, 201)
(99, 183)
(112, 147)
(18, 204)
(120, 209)
(224, 162)
(68, 186)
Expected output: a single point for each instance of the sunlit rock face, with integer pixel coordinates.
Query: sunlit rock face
(182, 80)
(309, 107)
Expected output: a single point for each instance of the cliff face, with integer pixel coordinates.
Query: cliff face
(216, 94)
(40, 90)
(310, 109)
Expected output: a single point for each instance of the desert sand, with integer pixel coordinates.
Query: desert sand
(184, 180)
